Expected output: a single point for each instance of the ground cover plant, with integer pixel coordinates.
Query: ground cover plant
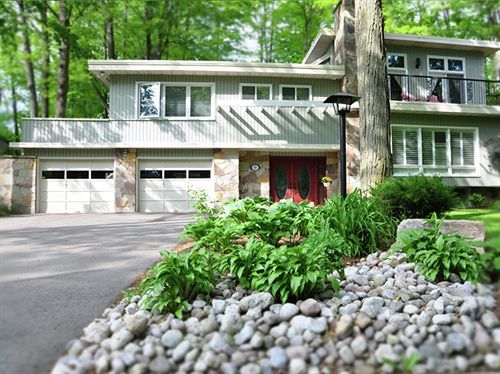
(415, 196)
(439, 255)
(288, 249)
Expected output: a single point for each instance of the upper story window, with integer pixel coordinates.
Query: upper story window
(396, 61)
(446, 64)
(255, 91)
(431, 150)
(189, 100)
(295, 93)
(149, 100)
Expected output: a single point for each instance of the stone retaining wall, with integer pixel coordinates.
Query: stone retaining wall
(17, 184)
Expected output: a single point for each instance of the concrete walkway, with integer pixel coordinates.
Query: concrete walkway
(59, 272)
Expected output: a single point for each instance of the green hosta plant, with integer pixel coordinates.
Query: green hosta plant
(245, 262)
(294, 272)
(176, 280)
(220, 238)
(439, 255)
(200, 228)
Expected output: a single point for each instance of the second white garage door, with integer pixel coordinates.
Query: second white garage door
(164, 185)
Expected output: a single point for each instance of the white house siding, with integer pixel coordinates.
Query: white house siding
(488, 171)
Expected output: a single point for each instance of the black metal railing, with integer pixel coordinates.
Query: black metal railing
(448, 89)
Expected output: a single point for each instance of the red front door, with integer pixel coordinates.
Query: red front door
(297, 178)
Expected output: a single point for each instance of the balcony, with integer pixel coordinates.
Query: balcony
(435, 89)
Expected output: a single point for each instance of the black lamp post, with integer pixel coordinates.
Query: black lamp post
(342, 102)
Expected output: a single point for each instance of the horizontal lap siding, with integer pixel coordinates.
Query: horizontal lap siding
(489, 139)
(71, 153)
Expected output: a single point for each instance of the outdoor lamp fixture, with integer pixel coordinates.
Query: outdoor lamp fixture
(342, 102)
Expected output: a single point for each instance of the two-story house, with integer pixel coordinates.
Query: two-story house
(238, 129)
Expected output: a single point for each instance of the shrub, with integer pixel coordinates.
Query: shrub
(4, 210)
(363, 222)
(490, 260)
(438, 255)
(415, 196)
(476, 200)
(176, 280)
(199, 229)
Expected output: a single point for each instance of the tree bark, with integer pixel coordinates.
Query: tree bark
(109, 31)
(14, 110)
(28, 63)
(45, 62)
(148, 16)
(64, 59)
(375, 165)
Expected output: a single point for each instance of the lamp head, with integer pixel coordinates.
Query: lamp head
(342, 101)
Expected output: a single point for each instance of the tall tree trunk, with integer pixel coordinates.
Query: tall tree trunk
(109, 30)
(28, 63)
(148, 16)
(374, 130)
(45, 62)
(15, 118)
(64, 58)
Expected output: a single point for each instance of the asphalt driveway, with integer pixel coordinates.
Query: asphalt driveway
(59, 272)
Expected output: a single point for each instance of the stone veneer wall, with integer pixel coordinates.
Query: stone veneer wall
(18, 183)
(254, 183)
(353, 155)
(125, 180)
(226, 174)
(332, 170)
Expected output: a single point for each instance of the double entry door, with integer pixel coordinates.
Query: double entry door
(297, 178)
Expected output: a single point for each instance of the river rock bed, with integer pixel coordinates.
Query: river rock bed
(384, 312)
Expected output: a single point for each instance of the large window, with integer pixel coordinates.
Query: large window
(434, 150)
(255, 91)
(448, 90)
(398, 82)
(180, 100)
(296, 93)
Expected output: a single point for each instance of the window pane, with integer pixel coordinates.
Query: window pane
(101, 174)
(53, 174)
(436, 64)
(201, 101)
(150, 174)
(174, 174)
(411, 147)
(395, 61)
(248, 92)
(77, 174)
(200, 174)
(175, 101)
(149, 100)
(303, 93)
(468, 148)
(263, 93)
(456, 148)
(397, 146)
(288, 93)
(427, 153)
(455, 65)
(440, 157)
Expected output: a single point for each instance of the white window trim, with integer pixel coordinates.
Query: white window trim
(188, 101)
(446, 71)
(449, 166)
(398, 70)
(188, 86)
(138, 104)
(256, 85)
(295, 86)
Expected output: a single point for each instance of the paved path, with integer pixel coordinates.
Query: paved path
(59, 272)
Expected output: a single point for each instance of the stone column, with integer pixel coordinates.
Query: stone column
(18, 184)
(125, 180)
(226, 174)
(353, 155)
(332, 170)
(254, 183)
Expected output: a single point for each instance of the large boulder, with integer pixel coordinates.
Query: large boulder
(473, 230)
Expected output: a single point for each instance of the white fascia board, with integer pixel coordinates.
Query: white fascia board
(445, 108)
(317, 48)
(102, 69)
(271, 145)
(486, 46)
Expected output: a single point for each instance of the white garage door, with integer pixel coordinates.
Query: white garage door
(164, 185)
(76, 186)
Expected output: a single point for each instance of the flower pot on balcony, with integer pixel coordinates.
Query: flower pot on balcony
(326, 184)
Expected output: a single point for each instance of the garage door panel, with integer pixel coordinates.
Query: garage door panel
(152, 206)
(101, 196)
(172, 184)
(83, 197)
(150, 184)
(77, 207)
(102, 185)
(77, 185)
(52, 196)
(199, 184)
(53, 185)
(175, 195)
(101, 207)
(176, 206)
(52, 207)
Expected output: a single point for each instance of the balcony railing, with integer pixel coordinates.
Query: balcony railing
(435, 89)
